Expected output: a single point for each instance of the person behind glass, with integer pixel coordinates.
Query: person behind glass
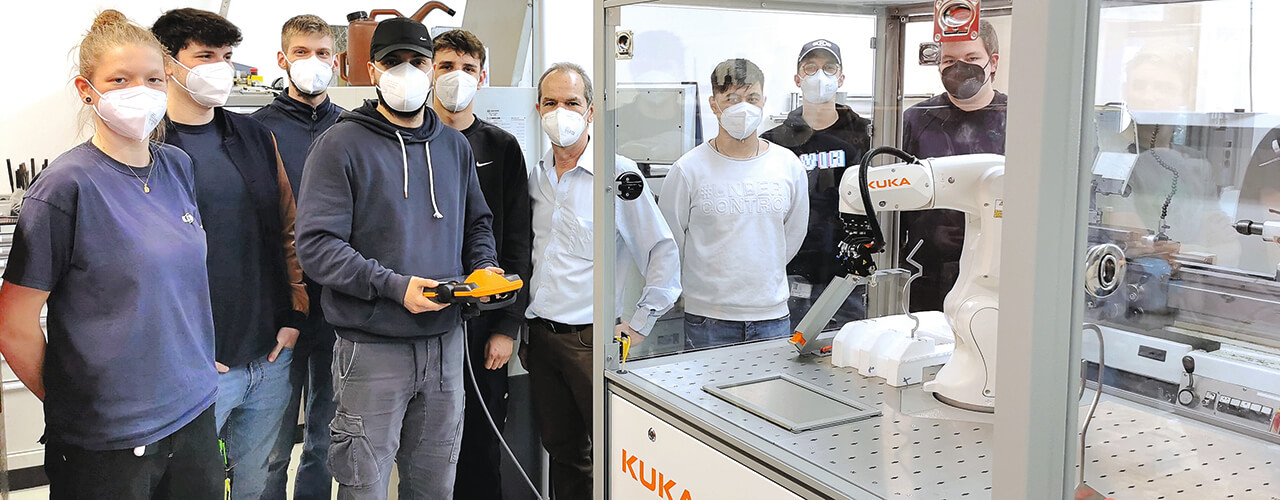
(559, 351)
(296, 117)
(828, 138)
(379, 224)
(458, 73)
(259, 301)
(110, 238)
(739, 208)
(969, 118)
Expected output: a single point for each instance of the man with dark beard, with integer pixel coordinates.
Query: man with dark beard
(391, 205)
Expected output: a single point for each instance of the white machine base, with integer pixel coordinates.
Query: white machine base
(883, 347)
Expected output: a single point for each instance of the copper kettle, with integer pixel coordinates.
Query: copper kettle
(360, 27)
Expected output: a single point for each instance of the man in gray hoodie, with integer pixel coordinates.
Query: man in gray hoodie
(390, 204)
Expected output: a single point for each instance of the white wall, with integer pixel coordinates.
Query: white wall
(42, 113)
(566, 33)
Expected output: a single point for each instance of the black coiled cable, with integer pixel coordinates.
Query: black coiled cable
(867, 206)
(863, 235)
(1173, 190)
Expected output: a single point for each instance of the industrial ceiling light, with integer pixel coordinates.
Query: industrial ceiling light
(955, 20)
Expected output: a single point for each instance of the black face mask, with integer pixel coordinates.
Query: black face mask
(964, 80)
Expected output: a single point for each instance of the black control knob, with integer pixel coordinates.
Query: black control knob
(1187, 396)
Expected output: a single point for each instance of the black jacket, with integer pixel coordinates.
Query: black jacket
(253, 150)
(296, 125)
(504, 179)
(826, 154)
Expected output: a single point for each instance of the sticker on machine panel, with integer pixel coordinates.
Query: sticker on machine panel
(999, 209)
(800, 288)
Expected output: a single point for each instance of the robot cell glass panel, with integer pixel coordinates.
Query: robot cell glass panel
(1182, 252)
(712, 114)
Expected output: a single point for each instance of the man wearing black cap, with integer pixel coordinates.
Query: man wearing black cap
(828, 138)
(390, 204)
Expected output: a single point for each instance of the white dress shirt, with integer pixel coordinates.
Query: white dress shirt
(563, 261)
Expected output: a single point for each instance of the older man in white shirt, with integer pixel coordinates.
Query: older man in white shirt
(559, 352)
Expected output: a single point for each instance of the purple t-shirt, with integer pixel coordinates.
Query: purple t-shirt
(936, 127)
(130, 357)
(931, 129)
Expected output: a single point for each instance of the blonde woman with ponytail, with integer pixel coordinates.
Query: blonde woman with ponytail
(110, 239)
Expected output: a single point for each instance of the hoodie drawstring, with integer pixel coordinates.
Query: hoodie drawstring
(431, 176)
(404, 159)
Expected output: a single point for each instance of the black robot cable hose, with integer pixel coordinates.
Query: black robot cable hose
(493, 426)
(869, 207)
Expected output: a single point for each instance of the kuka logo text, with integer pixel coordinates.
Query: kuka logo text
(884, 183)
(656, 481)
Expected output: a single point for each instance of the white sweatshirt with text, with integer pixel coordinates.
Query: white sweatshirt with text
(737, 223)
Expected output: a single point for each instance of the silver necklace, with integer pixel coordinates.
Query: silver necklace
(753, 155)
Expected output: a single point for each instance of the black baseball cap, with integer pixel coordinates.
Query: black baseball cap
(820, 44)
(400, 33)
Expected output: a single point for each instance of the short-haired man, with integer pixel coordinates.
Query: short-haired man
(390, 207)
(243, 193)
(739, 208)
(459, 69)
(297, 116)
(828, 138)
(561, 336)
(969, 118)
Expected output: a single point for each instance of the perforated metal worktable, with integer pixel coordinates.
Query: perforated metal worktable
(919, 448)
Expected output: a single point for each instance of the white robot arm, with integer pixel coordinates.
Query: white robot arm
(973, 184)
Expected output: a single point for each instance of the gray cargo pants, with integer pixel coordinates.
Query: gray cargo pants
(398, 402)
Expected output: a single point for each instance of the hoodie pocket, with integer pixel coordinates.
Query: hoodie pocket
(351, 312)
(351, 457)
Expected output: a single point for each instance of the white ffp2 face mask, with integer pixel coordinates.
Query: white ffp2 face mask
(311, 75)
(209, 84)
(741, 120)
(132, 112)
(404, 87)
(456, 89)
(564, 127)
(819, 87)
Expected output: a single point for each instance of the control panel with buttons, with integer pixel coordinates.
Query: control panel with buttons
(1232, 404)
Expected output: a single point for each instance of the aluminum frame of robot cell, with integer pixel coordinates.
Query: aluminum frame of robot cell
(1039, 329)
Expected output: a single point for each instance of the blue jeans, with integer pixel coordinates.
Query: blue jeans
(251, 404)
(701, 331)
(854, 308)
(311, 369)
